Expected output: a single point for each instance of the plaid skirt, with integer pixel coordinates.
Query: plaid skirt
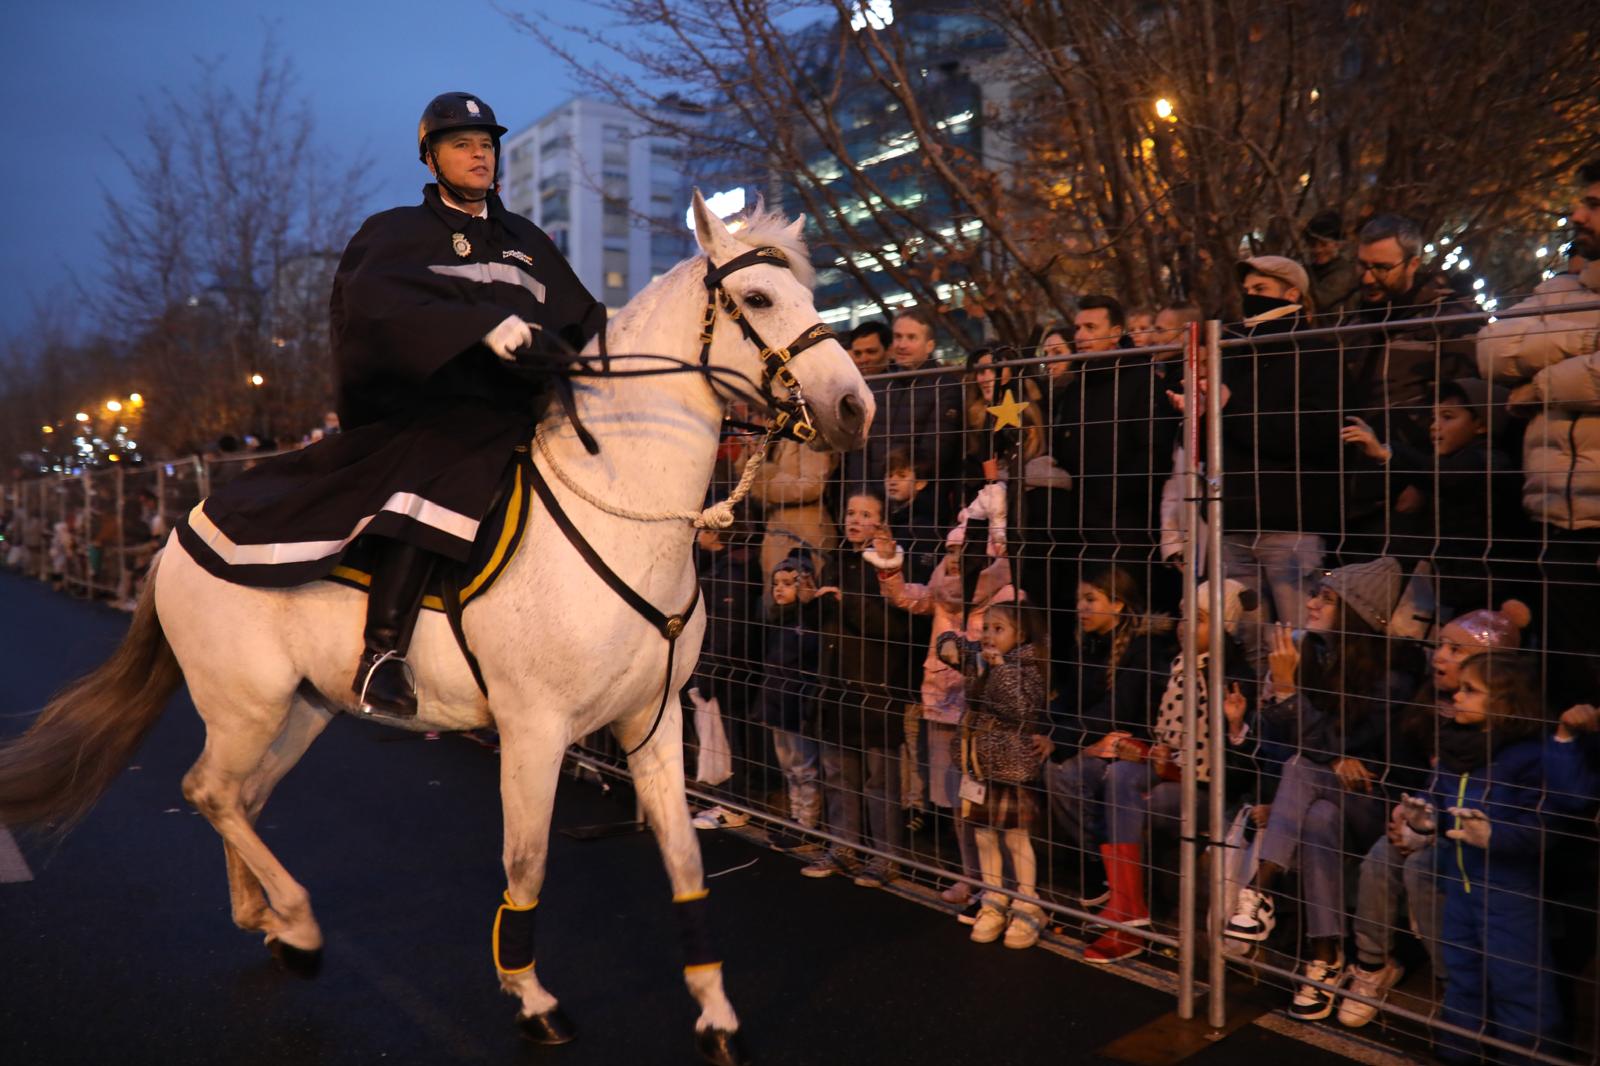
(1004, 806)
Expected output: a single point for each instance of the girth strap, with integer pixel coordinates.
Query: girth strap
(670, 627)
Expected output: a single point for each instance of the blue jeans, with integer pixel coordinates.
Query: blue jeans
(1311, 812)
(798, 758)
(841, 789)
(1282, 570)
(1391, 882)
(1135, 795)
(1076, 787)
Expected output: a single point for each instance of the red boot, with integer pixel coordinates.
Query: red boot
(1126, 877)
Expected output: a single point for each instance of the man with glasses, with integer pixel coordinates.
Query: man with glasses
(1393, 374)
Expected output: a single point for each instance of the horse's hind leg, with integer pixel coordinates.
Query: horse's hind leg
(237, 748)
(303, 725)
(530, 766)
(657, 770)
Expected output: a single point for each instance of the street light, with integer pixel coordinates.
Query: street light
(135, 399)
(1164, 109)
(257, 380)
(81, 416)
(113, 406)
(47, 429)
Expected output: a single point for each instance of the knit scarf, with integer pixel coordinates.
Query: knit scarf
(1462, 748)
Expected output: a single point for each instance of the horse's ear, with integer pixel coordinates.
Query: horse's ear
(795, 228)
(708, 228)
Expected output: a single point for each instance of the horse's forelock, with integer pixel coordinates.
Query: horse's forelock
(764, 229)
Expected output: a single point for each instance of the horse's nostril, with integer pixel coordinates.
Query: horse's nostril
(851, 413)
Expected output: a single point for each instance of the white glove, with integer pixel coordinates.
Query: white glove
(508, 336)
(1472, 827)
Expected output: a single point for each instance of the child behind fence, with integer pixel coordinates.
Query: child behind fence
(1006, 688)
(786, 703)
(1488, 798)
(1144, 784)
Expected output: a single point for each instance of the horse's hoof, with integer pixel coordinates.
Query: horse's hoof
(721, 1047)
(298, 961)
(551, 1027)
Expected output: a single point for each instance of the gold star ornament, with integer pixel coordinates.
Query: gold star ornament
(1008, 412)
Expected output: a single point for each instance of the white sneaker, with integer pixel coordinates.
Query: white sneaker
(990, 924)
(1312, 1003)
(720, 818)
(1026, 923)
(1253, 916)
(1374, 984)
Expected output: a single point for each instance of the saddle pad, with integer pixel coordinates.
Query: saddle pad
(499, 536)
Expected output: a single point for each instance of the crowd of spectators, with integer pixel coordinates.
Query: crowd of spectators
(970, 627)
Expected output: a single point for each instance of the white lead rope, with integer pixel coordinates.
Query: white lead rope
(717, 516)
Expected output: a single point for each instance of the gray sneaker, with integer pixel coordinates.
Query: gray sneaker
(831, 863)
(877, 874)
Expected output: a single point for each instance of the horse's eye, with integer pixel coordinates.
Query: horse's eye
(757, 300)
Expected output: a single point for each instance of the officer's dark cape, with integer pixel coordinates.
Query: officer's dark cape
(431, 416)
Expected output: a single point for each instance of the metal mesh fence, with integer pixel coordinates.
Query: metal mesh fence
(1272, 646)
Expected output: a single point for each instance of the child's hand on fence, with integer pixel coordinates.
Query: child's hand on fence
(883, 543)
(1043, 746)
(1583, 718)
(1283, 661)
(1362, 435)
(1260, 813)
(1233, 706)
(828, 590)
(1472, 827)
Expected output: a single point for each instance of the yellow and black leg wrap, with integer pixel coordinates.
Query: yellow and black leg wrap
(694, 923)
(513, 937)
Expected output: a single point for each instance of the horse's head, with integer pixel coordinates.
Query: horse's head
(760, 277)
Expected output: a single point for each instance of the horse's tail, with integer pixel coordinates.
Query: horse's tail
(53, 774)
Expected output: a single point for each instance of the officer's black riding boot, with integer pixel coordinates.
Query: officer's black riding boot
(383, 681)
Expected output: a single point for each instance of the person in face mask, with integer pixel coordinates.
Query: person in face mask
(1280, 482)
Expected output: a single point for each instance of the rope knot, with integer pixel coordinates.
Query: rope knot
(717, 516)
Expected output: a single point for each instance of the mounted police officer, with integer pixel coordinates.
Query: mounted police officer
(438, 311)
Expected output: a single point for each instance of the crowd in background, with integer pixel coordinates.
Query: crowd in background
(973, 621)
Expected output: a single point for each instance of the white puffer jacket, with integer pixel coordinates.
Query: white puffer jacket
(1559, 351)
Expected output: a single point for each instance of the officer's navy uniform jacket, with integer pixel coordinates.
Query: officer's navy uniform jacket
(430, 415)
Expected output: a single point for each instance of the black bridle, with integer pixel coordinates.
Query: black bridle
(791, 414)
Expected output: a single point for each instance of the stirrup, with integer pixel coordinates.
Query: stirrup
(366, 709)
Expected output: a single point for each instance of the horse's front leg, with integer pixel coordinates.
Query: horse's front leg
(530, 766)
(657, 770)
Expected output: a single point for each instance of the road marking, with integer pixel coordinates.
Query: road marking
(13, 867)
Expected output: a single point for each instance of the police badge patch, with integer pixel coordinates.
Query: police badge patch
(459, 242)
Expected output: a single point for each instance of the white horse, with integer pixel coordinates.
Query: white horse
(562, 654)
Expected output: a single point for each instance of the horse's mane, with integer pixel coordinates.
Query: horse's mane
(762, 228)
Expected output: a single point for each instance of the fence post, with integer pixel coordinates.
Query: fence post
(1187, 880)
(119, 528)
(1217, 727)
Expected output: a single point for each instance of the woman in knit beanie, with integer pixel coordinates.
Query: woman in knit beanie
(1332, 697)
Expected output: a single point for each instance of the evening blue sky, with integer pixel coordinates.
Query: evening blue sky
(74, 75)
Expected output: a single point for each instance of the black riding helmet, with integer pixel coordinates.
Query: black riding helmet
(457, 111)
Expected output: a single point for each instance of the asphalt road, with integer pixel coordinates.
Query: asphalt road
(120, 950)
